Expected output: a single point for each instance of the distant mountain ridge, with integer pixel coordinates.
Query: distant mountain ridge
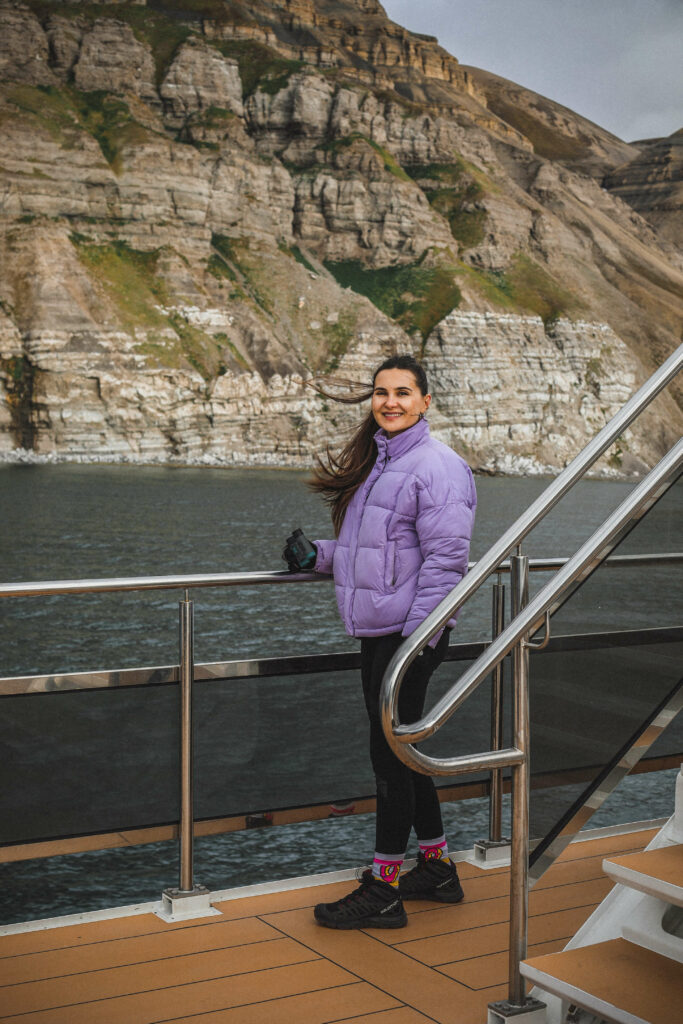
(205, 201)
(652, 183)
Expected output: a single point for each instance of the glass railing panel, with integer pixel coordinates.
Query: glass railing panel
(261, 744)
(589, 701)
(83, 763)
(585, 708)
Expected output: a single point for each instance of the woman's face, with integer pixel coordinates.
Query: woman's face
(397, 400)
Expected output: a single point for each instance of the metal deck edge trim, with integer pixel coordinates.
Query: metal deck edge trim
(618, 830)
(108, 914)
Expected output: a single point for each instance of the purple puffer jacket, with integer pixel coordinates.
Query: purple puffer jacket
(405, 539)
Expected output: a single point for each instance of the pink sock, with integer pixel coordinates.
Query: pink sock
(434, 849)
(386, 869)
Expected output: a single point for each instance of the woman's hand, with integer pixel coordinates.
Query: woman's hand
(299, 554)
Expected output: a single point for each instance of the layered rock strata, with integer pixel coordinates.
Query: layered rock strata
(198, 212)
(569, 381)
(652, 183)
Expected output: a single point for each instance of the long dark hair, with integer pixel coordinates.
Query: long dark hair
(341, 475)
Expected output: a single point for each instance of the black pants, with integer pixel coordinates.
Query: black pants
(405, 799)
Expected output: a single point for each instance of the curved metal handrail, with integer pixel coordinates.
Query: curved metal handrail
(566, 580)
(398, 737)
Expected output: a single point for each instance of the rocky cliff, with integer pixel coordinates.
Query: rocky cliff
(651, 182)
(205, 202)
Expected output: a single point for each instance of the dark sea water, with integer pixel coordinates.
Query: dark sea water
(78, 522)
(73, 521)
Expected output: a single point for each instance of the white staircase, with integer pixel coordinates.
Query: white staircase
(625, 965)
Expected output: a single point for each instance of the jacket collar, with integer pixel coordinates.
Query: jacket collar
(393, 445)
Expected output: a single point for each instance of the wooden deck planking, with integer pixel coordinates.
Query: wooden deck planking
(447, 947)
(480, 971)
(122, 952)
(265, 958)
(169, 1001)
(105, 983)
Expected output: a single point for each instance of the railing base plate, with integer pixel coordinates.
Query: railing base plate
(532, 1012)
(177, 905)
(490, 854)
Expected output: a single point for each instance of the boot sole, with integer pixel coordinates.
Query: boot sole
(436, 897)
(383, 922)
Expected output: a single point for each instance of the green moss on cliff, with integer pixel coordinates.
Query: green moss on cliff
(300, 258)
(444, 174)
(130, 280)
(238, 253)
(108, 120)
(465, 220)
(50, 108)
(455, 191)
(161, 26)
(219, 267)
(196, 346)
(259, 66)
(17, 374)
(534, 289)
(417, 297)
(524, 287)
(338, 336)
(390, 162)
(65, 111)
(129, 277)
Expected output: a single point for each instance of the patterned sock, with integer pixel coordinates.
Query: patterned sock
(387, 868)
(435, 849)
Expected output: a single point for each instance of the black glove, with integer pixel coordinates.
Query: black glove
(299, 553)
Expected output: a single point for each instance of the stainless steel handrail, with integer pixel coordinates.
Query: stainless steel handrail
(515, 637)
(529, 519)
(55, 588)
(527, 618)
(565, 581)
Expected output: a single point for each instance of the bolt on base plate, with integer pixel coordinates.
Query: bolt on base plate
(492, 853)
(532, 1012)
(179, 905)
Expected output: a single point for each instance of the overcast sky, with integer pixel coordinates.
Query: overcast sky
(617, 62)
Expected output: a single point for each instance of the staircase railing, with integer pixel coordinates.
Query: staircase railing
(527, 619)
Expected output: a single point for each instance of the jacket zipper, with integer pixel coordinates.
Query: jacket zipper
(355, 550)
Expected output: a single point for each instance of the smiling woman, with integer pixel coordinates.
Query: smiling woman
(398, 400)
(403, 507)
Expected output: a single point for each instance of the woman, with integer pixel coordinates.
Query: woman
(403, 508)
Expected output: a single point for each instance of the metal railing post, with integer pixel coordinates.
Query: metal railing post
(495, 848)
(496, 792)
(186, 616)
(189, 899)
(519, 861)
(518, 1005)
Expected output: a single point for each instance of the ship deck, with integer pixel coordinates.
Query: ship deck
(264, 959)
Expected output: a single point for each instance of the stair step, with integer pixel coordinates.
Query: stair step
(656, 872)
(615, 980)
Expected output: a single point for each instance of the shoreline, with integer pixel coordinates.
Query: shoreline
(514, 466)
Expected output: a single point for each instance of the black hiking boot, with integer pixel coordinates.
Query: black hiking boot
(431, 880)
(374, 904)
